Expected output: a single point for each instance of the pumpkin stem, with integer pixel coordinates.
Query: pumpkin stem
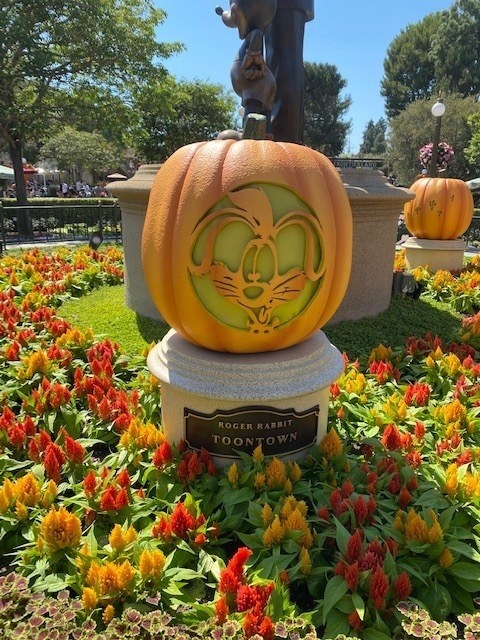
(255, 127)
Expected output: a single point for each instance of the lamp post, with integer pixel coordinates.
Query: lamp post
(438, 110)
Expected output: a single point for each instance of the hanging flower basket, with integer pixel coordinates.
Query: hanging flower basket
(444, 157)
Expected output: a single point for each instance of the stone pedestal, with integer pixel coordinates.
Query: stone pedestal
(234, 402)
(133, 197)
(435, 255)
(376, 207)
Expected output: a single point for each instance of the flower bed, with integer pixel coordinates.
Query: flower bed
(115, 533)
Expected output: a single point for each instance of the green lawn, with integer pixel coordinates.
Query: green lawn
(105, 312)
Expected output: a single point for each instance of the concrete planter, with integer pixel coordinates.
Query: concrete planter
(376, 207)
(435, 255)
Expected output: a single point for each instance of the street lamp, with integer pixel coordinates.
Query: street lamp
(438, 110)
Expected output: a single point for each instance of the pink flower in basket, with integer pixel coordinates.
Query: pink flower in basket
(444, 157)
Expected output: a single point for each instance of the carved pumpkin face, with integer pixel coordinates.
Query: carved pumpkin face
(441, 210)
(247, 244)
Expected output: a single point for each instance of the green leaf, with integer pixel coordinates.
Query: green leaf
(464, 549)
(272, 565)
(336, 589)
(342, 536)
(466, 571)
(374, 634)
(337, 624)
(359, 605)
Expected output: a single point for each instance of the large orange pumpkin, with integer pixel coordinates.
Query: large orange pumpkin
(247, 244)
(441, 210)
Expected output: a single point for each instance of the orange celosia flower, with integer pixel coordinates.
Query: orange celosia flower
(274, 534)
(60, 529)
(297, 522)
(108, 614)
(259, 481)
(305, 564)
(89, 598)
(445, 559)
(151, 564)
(276, 474)
(331, 445)
(267, 515)
(233, 475)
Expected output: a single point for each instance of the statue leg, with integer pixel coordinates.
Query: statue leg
(284, 57)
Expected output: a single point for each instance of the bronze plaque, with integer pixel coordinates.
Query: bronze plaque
(278, 431)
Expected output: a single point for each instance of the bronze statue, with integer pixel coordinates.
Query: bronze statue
(271, 83)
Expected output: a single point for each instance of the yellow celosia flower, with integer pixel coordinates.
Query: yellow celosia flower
(355, 382)
(305, 562)
(415, 527)
(274, 534)
(89, 598)
(267, 515)
(28, 490)
(151, 564)
(126, 575)
(13, 281)
(395, 408)
(37, 362)
(49, 494)
(60, 529)
(4, 501)
(108, 614)
(75, 338)
(294, 471)
(433, 356)
(142, 436)
(452, 364)
(296, 522)
(451, 480)
(288, 486)
(380, 353)
(259, 481)
(276, 474)
(435, 533)
(445, 559)
(116, 538)
(257, 454)
(399, 522)
(21, 511)
(331, 445)
(233, 475)
(291, 504)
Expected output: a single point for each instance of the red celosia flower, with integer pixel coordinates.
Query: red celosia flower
(229, 581)
(200, 539)
(181, 521)
(413, 458)
(355, 621)
(17, 436)
(354, 547)
(391, 438)
(360, 508)
(237, 562)
(334, 390)
(108, 500)
(402, 586)
(123, 478)
(384, 371)
(121, 500)
(351, 576)
(74, 450)
(90, 484)
(347, 488)
(417, 394)
(162, 529)
(221, 610)
(464, 458)
(419, 430)
(392, 546)
(395, 484)
(369, 560)
(379, 588)
(323, 513)
(340, 568)
(404, 497)
(163, 455)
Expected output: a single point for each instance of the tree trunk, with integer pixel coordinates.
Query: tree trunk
(24, 223)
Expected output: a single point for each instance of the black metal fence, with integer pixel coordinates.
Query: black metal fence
(61, 222)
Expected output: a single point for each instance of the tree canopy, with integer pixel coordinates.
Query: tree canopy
(54, 47)
(325, 108)
(374, 142)
(414, 127)
(171, 114)
(441, 53)
(82, 150)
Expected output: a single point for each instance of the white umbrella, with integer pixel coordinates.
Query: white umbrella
(6, 173)
(473, 184)
(117, 176)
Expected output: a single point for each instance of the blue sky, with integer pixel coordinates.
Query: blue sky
(353, 36)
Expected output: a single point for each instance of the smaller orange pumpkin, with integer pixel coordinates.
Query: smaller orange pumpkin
(441, 210)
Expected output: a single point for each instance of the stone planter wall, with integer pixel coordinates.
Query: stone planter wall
(376, 207)
(133, 197)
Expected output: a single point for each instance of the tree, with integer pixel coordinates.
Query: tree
(374, 142)
(414, 127)
(325, 108)
(409, 66)
(49, 47)
(440, 53)
(472, 151)
(171, 114)
(82, 150)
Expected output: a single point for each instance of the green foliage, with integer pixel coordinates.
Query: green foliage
(440, 53)
(171, 114)
(374, 142)
(325, 108)
(409, 66)
(82, 151)
(414, 127)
